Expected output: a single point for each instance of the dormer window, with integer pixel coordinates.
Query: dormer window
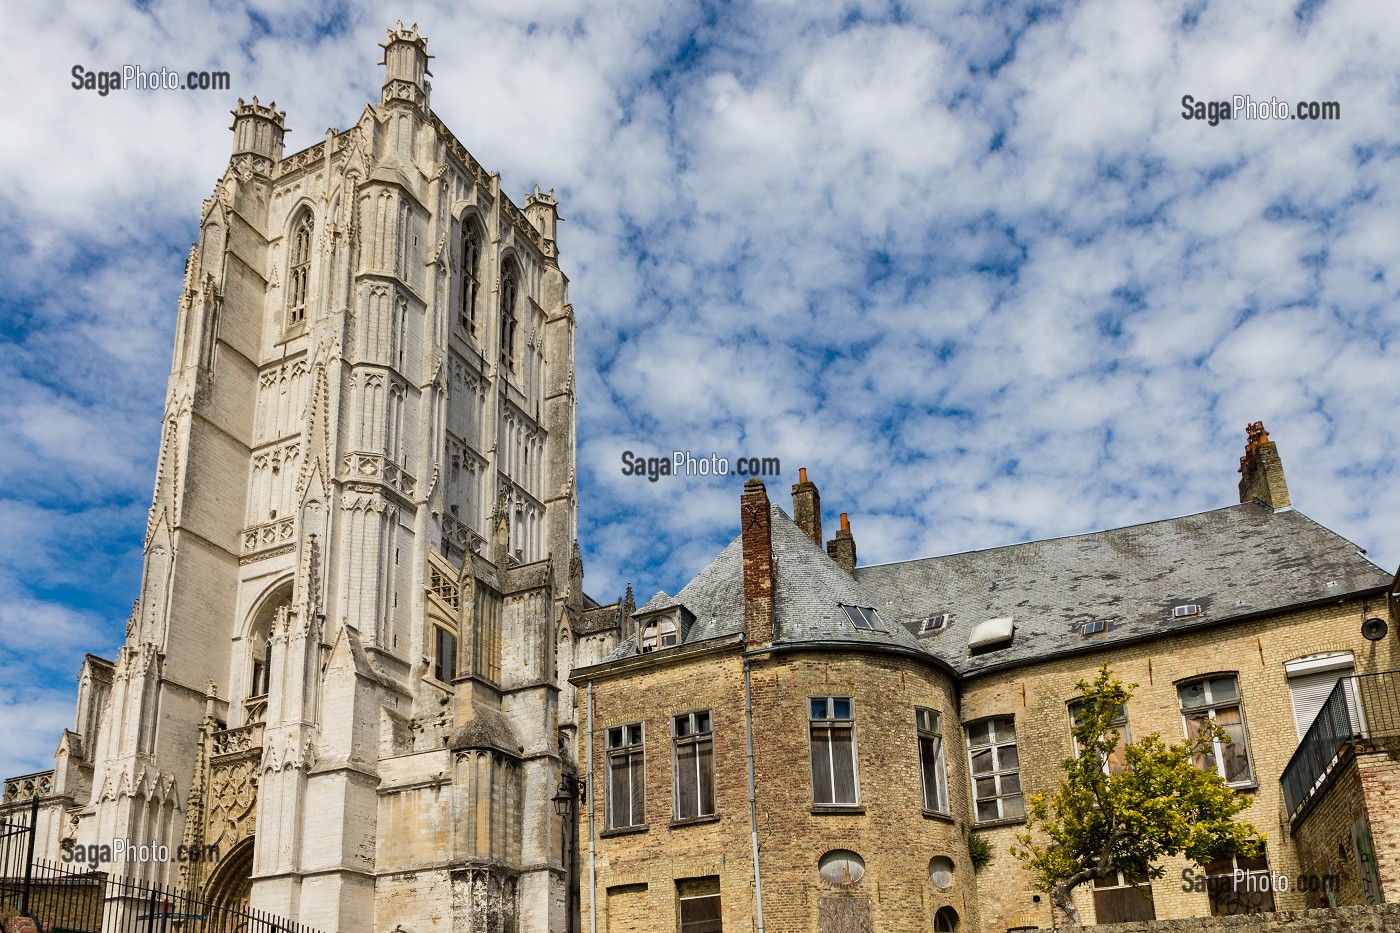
(991, 635)
(658, 633)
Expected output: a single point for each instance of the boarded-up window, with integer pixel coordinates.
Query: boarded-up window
(1122, 900)
(1240, 885)
(844, 915)
(699, 905)
(627, 909)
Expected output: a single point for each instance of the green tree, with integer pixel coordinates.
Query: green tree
(1101, 821)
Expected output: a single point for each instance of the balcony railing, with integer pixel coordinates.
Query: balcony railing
(1363, 706)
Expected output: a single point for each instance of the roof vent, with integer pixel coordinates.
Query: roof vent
(1186, 611)
(863, 617)
(993, 633)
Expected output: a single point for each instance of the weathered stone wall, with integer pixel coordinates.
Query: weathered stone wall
(638, 869)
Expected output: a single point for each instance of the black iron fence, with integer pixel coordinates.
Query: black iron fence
(1363, 706)
(61, 900)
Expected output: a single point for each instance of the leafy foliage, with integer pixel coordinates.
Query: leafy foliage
(979, 850)
(1098, 823)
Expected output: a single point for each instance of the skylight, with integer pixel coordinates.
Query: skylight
(1186, 610)
(1093, 627)
(933, 623)
(863, 617)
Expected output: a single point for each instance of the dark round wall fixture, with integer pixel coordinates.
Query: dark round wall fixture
(1374, 629)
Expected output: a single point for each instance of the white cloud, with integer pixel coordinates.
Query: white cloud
(966, 263)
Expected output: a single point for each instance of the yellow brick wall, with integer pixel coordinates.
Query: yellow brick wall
(1256, 652)
(893, 836)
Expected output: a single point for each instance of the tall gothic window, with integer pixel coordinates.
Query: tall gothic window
(510, 293)
(471, 278)
(299, 273)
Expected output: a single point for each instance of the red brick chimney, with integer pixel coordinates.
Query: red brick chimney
(842, 548)
(807, 507)
(1261, 471)
(757, 537)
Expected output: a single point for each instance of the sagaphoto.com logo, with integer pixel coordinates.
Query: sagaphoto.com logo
(686, 463)
(135, 77)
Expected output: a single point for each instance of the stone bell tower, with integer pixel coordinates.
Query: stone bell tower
(361, 561)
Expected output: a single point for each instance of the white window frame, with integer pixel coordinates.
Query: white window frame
(928, 727)
(625, 742)
(823, 724)
(1210, 707)
(996, 744)
(1120, 722)
(693, 730)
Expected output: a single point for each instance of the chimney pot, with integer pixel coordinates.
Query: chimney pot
(1261, 470)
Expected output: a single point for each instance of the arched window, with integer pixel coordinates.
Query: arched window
(510, 293)
(471, 278)
(945, 921)
(299, 270)
(262, 672)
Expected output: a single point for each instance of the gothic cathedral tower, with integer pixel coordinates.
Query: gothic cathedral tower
(361, 575)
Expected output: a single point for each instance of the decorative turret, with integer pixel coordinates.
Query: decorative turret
(1261, 471)
(542, 210)
(406, 66)
(258, 130)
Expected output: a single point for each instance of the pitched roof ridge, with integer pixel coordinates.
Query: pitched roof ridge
(1239, 506)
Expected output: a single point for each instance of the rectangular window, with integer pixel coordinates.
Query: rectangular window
(928, 725)
(833, 739)
(996, 770)
(626, 777)
(698, 900)
(1217, 700)
(1248, 892)
(1118, 758)
(444, 654)
(694, 765)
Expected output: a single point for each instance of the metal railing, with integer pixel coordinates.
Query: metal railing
(62, 899)
(1361, 706)
(95, 902)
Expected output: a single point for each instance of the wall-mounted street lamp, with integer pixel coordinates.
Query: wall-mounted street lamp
(564, 797)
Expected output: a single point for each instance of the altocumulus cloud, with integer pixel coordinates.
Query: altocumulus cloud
(966, 262)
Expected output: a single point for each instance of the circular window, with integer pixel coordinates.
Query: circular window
(945, 921)
(841, 866)
(940, 872)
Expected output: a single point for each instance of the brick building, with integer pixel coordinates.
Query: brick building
(796, 743)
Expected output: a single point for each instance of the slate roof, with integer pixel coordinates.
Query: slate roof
(809, 590)
(1233, 562)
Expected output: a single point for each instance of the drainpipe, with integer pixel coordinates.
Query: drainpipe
(753, 798)
(592, 871)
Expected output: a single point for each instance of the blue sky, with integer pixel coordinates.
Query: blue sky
(964, 261)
